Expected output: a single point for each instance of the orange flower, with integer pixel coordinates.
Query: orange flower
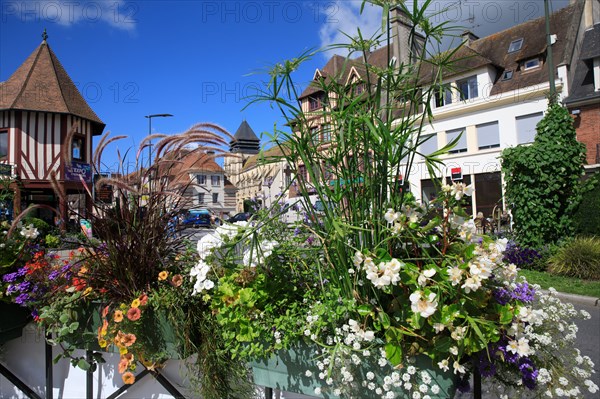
(103, 330)
(128, 378)
(134, 314)
(78, 283)
(143, 300)
(163, 275)
(135, 303)
(177, 280)
(118, 316)
(82, 271)
(128, 340)
(128, 357)
(105, 311)
(123, 364)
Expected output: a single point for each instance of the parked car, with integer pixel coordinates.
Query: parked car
(198, 218)
(240, 217)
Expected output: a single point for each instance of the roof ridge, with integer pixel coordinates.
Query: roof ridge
(53, 58)
(29, 73)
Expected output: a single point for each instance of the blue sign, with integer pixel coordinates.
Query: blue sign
(78, 171)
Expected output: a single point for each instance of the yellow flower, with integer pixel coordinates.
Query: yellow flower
(163, 275)
(103, 343)
(118, 317)
(87, 291)
(122, 350)
(135, 303)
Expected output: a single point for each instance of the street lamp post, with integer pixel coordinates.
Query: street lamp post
(150, 133)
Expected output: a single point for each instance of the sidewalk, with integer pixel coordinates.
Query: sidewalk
(584, 300)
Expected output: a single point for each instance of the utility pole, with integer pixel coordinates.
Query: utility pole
(549, 49)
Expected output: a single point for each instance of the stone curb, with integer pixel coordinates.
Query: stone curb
(581, 299)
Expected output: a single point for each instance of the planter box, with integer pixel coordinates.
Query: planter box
(13, 318)
(286, 371)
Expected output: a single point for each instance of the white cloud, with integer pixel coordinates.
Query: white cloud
(343, 18)
(118, 13)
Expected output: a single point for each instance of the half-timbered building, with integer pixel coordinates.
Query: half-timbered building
(39, 106)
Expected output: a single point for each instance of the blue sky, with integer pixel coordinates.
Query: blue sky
(196, 59)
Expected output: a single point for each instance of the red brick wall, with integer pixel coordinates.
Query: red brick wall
(587, 125)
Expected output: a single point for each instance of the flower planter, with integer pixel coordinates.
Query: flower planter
(286, 371)
(14, 318)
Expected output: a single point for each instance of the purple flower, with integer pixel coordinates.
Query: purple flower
(486, 367)
(528, 371)
(296, 231)
(11, 289)
(502, 296)
(22, 299)
(54, 274)
(10, 277)
(463, 384)
(523, 292)
(25, 286)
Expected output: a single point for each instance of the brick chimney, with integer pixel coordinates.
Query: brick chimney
(468, 37)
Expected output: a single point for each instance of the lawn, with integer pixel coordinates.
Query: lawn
(563, 284)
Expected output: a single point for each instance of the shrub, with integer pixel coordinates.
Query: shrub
(586, 219)
(579, 258)
(52, 241)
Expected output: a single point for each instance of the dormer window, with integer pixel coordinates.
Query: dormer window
(468, 88)
(316, 101)
(515, 45)
(531, 64)
(507, 75)
(443, 96)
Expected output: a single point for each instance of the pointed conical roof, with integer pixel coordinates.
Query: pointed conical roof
(42, 84)
(245, 132)
(245, 140)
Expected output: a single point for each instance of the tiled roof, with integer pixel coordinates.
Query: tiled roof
(591, 43)
(42, 84)
(179, 167)
(491, 50)
(266, 156)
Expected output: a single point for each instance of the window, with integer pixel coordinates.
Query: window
(326, 131)
(302, 173)
(201, 179)
(215, 198)
(443, 97)
(77, 149)
(428, 144)
(515, 45)
(215, 180)
(3, 143)
(315, 101)
(531, 64)
(314, 134)
(507, 75)
(526, 127)
(461, 145)
(488, 135)
(429, 190)
(201, 198)
(467, 88)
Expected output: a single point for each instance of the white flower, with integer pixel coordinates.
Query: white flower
(391, 216)
(317, 390)
(459, 333)
(458, 190)
(472, 283)
(458, 368)
(425, 276)
(370, 375)
(435, 389)
(358, 258)
(443, 365)
(30, 232)
(424, 306)
(439, 327)
(453, 350)
(207, 243)
(455, 275)
(308, 373)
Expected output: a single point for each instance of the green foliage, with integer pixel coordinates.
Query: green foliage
(587, 216)
(578, 258)
(52, 241)
(543, 179)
